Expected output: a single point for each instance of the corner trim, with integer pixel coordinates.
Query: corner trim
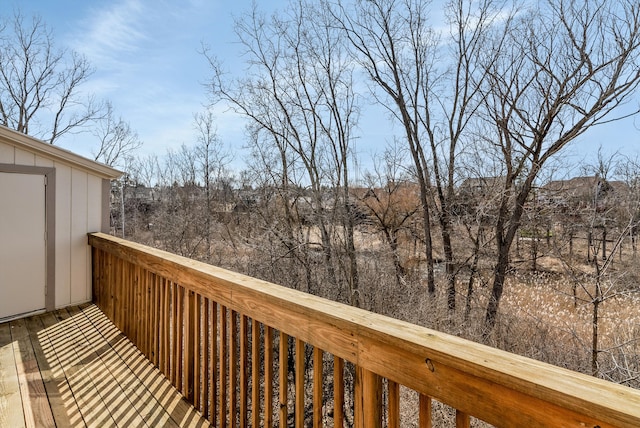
(105, 227)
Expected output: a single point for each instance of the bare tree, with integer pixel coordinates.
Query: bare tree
(146, 169)
(39, 84)
(377, 32)
(390, 202)
(117, 140)
(300, 102)
(602, 282)
(430, 83)
(564, 67)
(213, 161)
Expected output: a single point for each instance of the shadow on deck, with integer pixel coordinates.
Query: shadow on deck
(73, 367)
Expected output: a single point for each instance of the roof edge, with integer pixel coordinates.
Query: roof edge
(59, 154)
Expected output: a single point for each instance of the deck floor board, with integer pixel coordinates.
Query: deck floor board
(10, 400)
(74, 368)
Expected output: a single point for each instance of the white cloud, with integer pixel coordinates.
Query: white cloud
(110, 32)
(147, 65)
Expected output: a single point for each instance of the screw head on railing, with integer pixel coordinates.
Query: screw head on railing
(430, 364)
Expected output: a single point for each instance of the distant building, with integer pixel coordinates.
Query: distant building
(480, 195)
(582, 192)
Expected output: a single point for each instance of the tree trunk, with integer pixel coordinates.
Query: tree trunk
(353, 277)
(594, 334)
(504, 239)
(472, 275)
(392, 241)
(431, 283)
(445, 226)
(498, 287)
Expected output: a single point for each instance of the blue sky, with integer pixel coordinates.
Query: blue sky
(145, 53)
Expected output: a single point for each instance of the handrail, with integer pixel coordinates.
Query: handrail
(193, 321)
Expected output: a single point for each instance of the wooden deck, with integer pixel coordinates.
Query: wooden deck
(74, 368)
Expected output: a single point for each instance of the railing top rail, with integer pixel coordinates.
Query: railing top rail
(496, 386)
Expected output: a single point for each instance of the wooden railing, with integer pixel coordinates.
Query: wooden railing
(247, 352)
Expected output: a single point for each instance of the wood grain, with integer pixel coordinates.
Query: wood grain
(37, 411)
(318, 382)
(10, 399)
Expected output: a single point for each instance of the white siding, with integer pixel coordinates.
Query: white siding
(40, 161)
(94, 221)
(7, 154)
(25, 158)
(63, 235)
(78, 239)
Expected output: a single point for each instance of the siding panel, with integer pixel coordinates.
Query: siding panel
(42, 161)
(7, 154)
(25, 158)
(94, 222)
(63, 235)
(79, 213)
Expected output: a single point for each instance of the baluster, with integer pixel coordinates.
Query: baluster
(317, 387)
(155, 324)
(284, 379)
(233, 369)
(394, 404)
(222, 404)
(176, 335)
(255, 373)
(196, 303)
(268, 376)
(187, 346)
(462, 420)
(214, 374)
(425, 411)
(299, 398)
(164, 331)
(204, 350)
(244, 382)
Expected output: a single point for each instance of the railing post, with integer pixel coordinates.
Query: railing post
(368, 399)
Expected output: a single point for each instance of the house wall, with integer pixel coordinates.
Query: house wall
(80, 202)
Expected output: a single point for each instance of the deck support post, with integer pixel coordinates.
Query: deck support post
(368, 399)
